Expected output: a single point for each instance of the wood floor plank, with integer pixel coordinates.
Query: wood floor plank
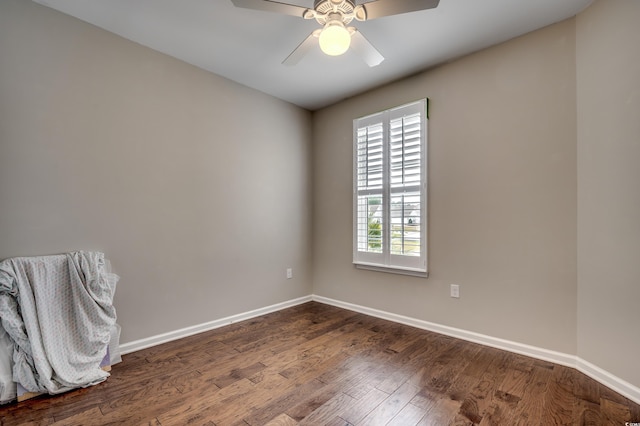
(634, 410)
(376, 374)
(504, 401)
(268, 341)
(282, 401)
(313, 367)
(328, 411)
(415, 356)
(281, 420)
(410, 415)
(363, 406)
(79, 418)
(587, 414)
(480, 397)
(481, 362)
(443, 370)
(461, 387)
(142, 395)
(236, 374)
(319, 364)
(236, 409)
(426, 399)
(338, 421)
(42, 409)
(352, 373)
(516, 380)
(586, 389)
(559, 403)
(199, 409)
(392, 405)
(238, 405)
(442, 412)
(185, 348)
(499, 412)
(152, 422)
(612, 412)
(531, 405)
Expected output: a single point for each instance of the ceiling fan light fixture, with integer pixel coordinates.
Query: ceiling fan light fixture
(334, 39)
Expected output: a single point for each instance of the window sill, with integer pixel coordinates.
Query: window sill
(391, 270)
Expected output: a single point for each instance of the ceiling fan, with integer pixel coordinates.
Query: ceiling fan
(335, 37)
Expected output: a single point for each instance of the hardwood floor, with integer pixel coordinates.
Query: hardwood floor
(315, 364)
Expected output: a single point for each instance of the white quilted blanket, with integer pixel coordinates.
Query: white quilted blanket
(58, 313)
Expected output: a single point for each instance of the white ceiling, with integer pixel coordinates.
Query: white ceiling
(248, 46)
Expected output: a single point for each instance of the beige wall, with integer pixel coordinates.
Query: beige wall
(608, 61)
(502, 194)
(197, 188)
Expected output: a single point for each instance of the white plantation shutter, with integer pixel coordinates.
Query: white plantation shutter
(390, 152)
(369, 177)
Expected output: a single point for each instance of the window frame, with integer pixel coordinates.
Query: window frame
(385, 261)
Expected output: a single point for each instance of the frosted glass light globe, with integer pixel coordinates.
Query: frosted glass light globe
(334, 39)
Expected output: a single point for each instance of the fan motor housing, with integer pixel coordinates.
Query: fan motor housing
(326, 8)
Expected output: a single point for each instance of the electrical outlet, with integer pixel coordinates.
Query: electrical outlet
(455, 291)
(289, 273)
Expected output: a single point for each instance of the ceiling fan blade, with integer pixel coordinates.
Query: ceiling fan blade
(302, 49)
(379, 8)
(365, 49)
(271, 6)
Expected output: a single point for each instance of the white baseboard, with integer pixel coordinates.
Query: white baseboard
(607, 379)
(148, 342)
(615, 383)
(470, 336)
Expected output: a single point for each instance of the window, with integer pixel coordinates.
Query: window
(390, 190)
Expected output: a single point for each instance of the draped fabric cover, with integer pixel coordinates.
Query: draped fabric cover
(58, 313)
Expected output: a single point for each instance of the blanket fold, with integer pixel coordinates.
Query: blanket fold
(58, 312)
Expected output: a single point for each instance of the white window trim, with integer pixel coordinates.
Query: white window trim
(385, 261)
